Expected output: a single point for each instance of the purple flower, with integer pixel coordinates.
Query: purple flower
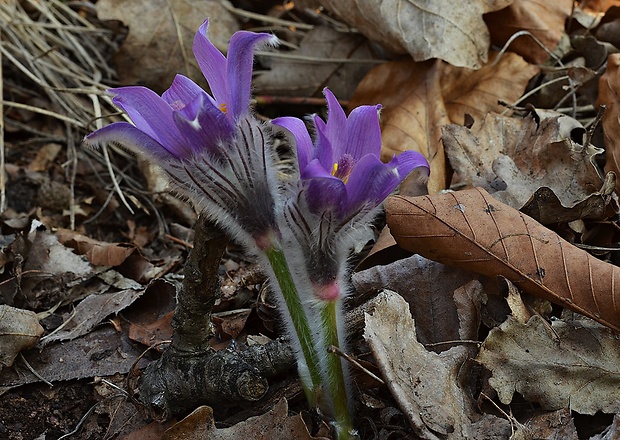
(186, 120)
(343, 181)
(342, 172)
(213, 148)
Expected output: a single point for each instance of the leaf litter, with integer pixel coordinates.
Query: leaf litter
(84, 233)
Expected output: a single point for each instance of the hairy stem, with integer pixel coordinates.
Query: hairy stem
(336, 383)
(299, 321)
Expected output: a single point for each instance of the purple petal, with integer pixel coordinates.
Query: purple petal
(208, 127)
(325, 193)
(212, 63)
(181, 92)
(316, 169)
(407, 161)
(303, 142)
(152, 115)
(127, 135)
(240, 64)
(324, 150)
(363, 133)
(335, 130)
(371, 182)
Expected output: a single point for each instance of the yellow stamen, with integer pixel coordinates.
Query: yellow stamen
(334, 169)
(223, 107)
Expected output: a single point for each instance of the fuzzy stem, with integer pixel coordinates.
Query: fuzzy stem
(336, 382)
(299, 320)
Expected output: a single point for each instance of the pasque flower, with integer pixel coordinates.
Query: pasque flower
(302, 229)
(343, 181)
(342, 170)
(212, 146)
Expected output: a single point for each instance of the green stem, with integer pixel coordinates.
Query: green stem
(298, 317)
(336, 383)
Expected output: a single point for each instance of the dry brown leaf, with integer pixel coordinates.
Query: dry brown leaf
(102, 352)
(473, 231)
(429, 288)
(599, 5)
(425, 384)
(545, 20)
(99, 253)
(152, 333)
(412, 114)
(45, 157)
(555, 425)
(574, 365)
(424, 28)
(161, 33)
(19, 330)
(513, 157)
(478, 92)
(609, 96)
(419, 98)
(92, 310)
(275, 424)
(545, 207)
(292, 77)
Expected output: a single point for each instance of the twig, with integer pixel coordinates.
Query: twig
(334, 349)
(516, 35)
(2, 164)
(536, 89)
(42, 111)
(317, 60)
(88, 413)
(33, 371)
(264, 18)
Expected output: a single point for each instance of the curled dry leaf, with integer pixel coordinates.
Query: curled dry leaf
(99, 253)
(19, 330)
(544, 20)
(161, 32)
(276, 423)
(419, 98)
(92, 310)
(473, 231)
(568, 365)
(425, 384)
(426, 28)
(514, 157)
(609, 96)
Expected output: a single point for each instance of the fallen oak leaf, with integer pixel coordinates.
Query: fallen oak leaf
(471, 230)
(513, 158)
(575, 365)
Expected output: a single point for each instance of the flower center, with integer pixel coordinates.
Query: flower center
(223, 107)
(342, 169)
